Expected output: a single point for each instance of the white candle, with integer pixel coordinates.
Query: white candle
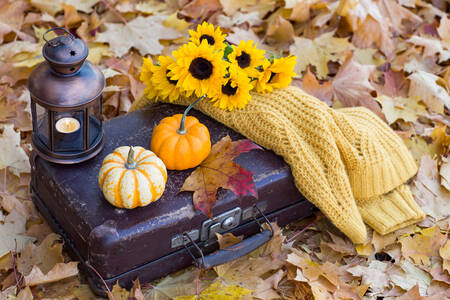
(67, 125)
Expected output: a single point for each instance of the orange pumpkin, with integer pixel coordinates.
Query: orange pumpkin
(181, 142)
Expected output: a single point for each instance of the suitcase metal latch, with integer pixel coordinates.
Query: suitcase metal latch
(220, 223)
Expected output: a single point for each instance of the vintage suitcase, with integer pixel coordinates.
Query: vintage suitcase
(165, 236)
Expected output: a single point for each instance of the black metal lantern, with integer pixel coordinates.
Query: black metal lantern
(66, 102)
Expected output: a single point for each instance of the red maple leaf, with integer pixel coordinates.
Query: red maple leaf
(219, 170)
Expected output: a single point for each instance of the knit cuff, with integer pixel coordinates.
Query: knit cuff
(391, 211)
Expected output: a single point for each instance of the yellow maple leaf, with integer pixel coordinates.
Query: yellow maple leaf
(218, 290)
(396, 108)
(319, 52)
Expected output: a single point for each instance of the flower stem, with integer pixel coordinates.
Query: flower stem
(182, 129)
(130, 164)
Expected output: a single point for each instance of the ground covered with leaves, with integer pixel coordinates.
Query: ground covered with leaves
(389, 56)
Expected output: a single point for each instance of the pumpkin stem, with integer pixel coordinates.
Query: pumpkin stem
(130, 164)
(182, 129)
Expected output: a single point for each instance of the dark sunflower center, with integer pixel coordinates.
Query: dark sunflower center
(272, 75)
(209, 38)
(227, 89)
(174, 82)
(243, 60)
(201, 68)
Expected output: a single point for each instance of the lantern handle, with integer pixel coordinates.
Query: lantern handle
(72, 37)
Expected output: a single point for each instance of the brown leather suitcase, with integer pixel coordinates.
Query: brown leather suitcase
(167, 235)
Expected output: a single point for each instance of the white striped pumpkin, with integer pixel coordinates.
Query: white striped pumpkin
(132, 177)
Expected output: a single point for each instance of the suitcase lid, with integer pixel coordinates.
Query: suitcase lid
(115, 240)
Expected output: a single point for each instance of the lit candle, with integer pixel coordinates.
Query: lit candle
(67, 125)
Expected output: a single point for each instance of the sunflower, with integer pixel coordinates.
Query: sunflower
(206, 31)
(277, 74)
(165, 86)
(235, 90)
(146, 77)
(198, 68)
(247, 57)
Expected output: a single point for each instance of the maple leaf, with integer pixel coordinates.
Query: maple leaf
(11, 153)
(425, 86)
(352, 86)
(322, 91)
(318, 52)
(219, 170)
(54, 6)
(11, 233)
(423, 246)
(45, 256)
(141, 33)
(374, 275)
(445, 173)
(396, 108)
(58, 272)
(429, 194)
(444, 252)
(408, 275)
(280, 30)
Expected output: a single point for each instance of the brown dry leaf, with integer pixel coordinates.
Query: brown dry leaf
(11, 233)
(54, 6)
(25, 294)
(200, 9)
(313, 270)
(429, 194)
(374, 275)
(408, 275)
(441, 140)
(423, 246)
(219, 170)
(227, 239)
(118, 293)
(58, 272)
(11, 153)
(249, 269)
(352, 87)
(319, 52)
(341, 245)
(431, 47)
(322, 91)
(71, 16)
(407, 109)
(382, 241)
(425, 86)
(45, 256)
(445, 173)
(444, 252)
(401, 19)
(181, 284)
(372, 32)
(280, 30)
(141, 33)
(11, 20)
(239, 34)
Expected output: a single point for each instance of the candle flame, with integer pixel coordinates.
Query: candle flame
(67, 125)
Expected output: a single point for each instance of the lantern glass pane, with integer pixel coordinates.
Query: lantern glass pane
(95, 122)
(42, 125)
(68, 131)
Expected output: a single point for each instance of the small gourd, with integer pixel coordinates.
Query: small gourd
(181, 142)
(132, 177)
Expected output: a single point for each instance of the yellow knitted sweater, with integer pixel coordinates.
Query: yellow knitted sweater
(347, 162)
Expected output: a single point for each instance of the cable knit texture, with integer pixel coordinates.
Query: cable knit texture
(347, 162)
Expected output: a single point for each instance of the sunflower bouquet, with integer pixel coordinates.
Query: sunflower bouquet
(208, 66)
